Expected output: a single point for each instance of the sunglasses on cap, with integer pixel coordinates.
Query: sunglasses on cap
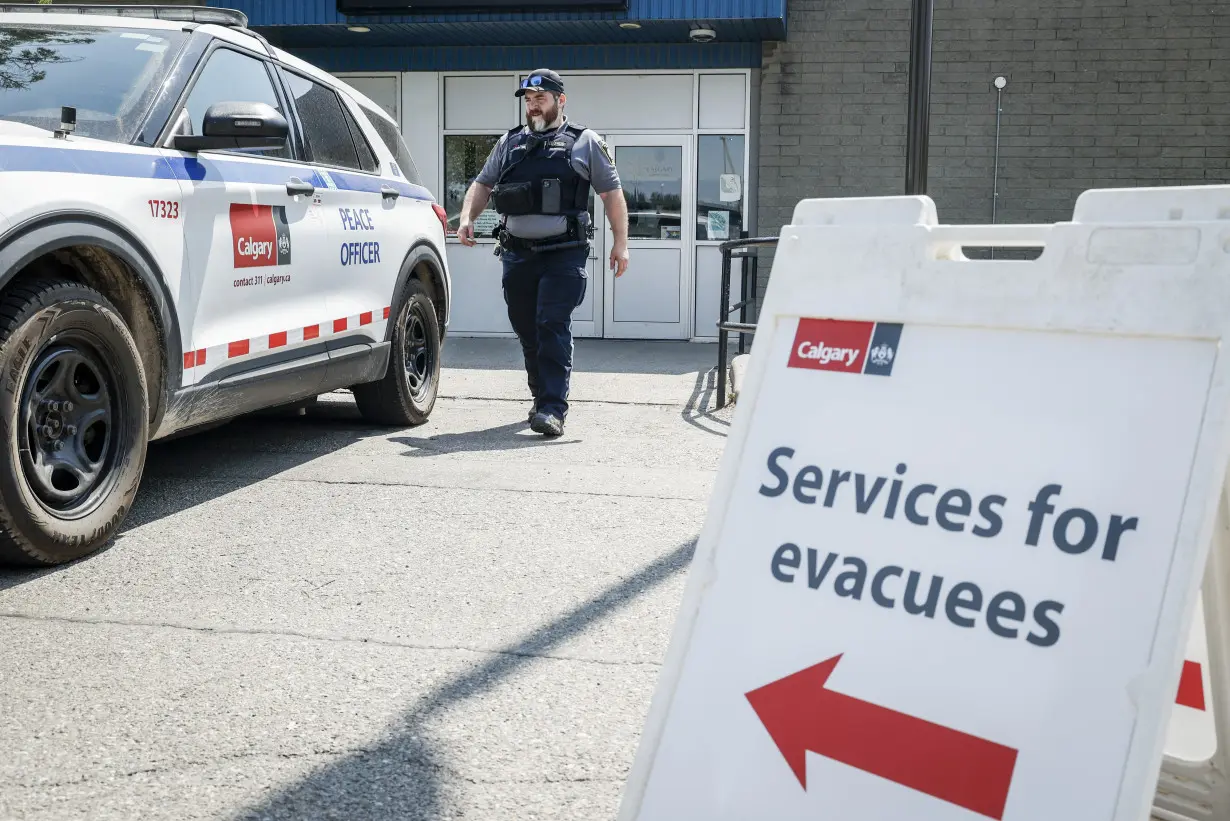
(538, 82)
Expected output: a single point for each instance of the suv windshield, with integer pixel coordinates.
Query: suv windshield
(108, 74)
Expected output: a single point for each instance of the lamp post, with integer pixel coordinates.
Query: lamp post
(919, 114)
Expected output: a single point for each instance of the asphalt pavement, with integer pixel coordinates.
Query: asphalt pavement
(310, 618)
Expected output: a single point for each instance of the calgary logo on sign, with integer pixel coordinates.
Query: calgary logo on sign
(850, 347)
(882, 354)
(260, 235)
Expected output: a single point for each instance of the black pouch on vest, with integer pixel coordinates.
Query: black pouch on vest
(550, 196)
(514, 199)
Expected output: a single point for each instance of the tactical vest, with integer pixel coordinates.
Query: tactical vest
(539, 177)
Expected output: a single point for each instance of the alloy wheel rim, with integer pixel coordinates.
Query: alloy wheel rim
(419, 355)
(68, 425)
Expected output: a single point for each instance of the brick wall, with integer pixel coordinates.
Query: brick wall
(1100, 93)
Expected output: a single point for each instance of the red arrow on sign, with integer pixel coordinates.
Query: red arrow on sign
(801, 714)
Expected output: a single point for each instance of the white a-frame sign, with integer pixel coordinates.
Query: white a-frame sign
(954, 565)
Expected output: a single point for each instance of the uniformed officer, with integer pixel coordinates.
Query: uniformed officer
(539, 176)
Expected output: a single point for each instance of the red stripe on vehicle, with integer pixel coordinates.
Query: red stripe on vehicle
(1191, 687)
(195, 359)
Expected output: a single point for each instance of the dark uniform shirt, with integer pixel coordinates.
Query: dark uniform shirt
(590, 159)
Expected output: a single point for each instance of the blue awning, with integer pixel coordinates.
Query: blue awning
(317, 24)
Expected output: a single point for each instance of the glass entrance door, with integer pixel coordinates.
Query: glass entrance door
(651, 299)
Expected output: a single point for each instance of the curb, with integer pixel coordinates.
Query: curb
(738, 370)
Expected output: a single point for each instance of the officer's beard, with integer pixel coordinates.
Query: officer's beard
(549, 117)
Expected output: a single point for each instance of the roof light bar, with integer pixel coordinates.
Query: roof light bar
(190, 14)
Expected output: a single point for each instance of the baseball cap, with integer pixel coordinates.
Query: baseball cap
(543, 79)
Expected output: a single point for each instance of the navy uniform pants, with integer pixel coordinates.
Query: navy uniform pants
(541, 291)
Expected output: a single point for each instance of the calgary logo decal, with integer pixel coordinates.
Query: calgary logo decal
(260, 235)
(849, 347)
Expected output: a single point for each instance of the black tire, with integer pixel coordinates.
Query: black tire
(70, 374)
(407, 393)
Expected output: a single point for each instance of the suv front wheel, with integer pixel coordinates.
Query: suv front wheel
(74, 418)
(407, 393)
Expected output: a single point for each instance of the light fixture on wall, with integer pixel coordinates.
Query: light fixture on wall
(702, 35)
(359, 29)
(629, 25)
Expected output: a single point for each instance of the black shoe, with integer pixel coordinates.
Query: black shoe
(547, 424)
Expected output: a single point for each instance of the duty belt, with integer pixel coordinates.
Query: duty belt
(574, 238)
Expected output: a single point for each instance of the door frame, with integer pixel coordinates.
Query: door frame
(686, 242)
(595, 286)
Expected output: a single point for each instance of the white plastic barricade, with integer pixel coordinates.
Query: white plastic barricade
(1193, 785)
(953, 560)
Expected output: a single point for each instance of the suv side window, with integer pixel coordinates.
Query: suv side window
(332, 136)
(231, 76)
(397, 146)
(367, 157)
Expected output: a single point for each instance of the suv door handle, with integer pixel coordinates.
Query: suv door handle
(388, 191)
(298, 186)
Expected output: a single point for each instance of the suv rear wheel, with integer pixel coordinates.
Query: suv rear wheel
(407, 393)
(74, 419)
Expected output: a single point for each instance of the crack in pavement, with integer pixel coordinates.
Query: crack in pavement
(489, 489)
(189, 765)
(424, 486)
(87, 779)
(181, 766)
(547, 780)
(322, 637)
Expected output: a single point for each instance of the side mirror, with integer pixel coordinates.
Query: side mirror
(237, 125)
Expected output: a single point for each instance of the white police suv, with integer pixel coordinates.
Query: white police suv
(193, 225)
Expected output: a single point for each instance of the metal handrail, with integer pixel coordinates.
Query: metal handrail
(743, 247)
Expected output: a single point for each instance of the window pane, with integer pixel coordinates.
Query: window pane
(396, 145)
(652, 178)
(367, 157)
(719, 187)
(324, 124)
(233, 77)
(464, 156)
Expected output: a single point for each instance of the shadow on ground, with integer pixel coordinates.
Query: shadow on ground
(196, 469)
(697, 412)
(401, 778)
(513, 436)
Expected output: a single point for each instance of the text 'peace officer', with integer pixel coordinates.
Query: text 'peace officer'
(1074, 531)
(356, 219)
(360, 253)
